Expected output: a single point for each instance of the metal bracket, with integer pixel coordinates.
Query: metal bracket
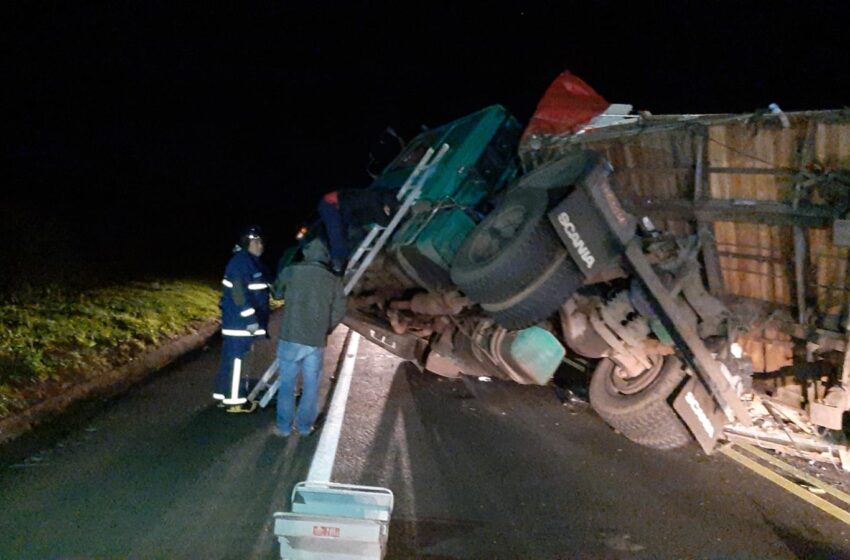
(684, 333)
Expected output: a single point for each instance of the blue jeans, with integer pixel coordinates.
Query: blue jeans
(292, 358)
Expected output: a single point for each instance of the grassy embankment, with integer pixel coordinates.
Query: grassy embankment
(54, 338)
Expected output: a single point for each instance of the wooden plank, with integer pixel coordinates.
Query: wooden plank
(830, 264)
(800, 245)
(737, 211)
(750, 171)
(704, 231)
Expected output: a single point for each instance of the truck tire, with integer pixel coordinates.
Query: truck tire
(541, 298)
(645, 415)
(508, 250)
(561, 173)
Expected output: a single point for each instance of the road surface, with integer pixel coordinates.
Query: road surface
(479, 470)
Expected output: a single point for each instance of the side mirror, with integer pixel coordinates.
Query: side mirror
(385, 149)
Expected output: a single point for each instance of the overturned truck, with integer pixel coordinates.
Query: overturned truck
(696, 266)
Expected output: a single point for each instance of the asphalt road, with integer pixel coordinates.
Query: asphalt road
(501, 471)
(161, 472)
(479, 470)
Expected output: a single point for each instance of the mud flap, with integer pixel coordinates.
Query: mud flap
(585, 234)
(701, 414)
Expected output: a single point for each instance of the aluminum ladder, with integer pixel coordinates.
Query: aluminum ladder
(408, 194)
(374, 241)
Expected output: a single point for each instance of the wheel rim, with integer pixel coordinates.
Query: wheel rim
(636, 384)
(498, 234)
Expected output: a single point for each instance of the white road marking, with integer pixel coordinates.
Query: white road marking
(323, 461)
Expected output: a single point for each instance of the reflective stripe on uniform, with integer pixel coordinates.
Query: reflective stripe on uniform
(261, 286)
(235, 332)
(247, 312)
(218, 396)
(227, 282)
(234, 383)
(240, 332)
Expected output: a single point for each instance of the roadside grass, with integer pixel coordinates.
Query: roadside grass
(53, 338)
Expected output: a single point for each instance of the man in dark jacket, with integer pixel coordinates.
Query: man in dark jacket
(346, 209)
(314, 304)
(244, 316)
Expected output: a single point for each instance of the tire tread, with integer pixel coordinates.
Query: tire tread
(646, 418)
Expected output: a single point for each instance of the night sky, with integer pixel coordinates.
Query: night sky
(144, 136)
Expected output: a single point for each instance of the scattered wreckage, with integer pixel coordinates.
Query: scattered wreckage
(696, 264)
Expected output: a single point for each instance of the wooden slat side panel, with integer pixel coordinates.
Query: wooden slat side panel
(656, 166)
(755, 350)
(752, 261)
(783, 268)
(761, 266)
(757, 261)
(768, 348)
(725, 237)
(832, 145)
(762, 146)
(830, 272)
(830, 263)
(652, 166)
(738, 145)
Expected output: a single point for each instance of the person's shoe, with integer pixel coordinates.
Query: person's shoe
(278, 433)
(244, 408)
(308, 433)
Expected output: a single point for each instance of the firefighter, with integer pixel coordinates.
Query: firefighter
(244, 317)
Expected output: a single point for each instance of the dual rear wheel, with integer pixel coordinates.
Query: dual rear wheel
(514, 264)
(639, 407)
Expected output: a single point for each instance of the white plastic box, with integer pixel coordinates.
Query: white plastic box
(332, 521)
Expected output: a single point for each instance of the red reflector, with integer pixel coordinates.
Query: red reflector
(322, 531)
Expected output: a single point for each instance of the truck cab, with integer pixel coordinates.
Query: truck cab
(481, 161)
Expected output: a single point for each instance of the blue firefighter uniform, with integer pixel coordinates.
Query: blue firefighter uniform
(244, 316)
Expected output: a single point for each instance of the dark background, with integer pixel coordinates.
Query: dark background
(141, 136)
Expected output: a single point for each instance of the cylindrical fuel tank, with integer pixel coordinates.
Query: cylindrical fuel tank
(527, 356)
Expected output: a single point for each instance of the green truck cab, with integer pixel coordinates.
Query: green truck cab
(480, 163)
(482, 160)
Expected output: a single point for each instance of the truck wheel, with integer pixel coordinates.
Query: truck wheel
(541, 298)
(639, 408)
(508, 250)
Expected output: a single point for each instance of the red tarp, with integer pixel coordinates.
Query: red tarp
(567, 105)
